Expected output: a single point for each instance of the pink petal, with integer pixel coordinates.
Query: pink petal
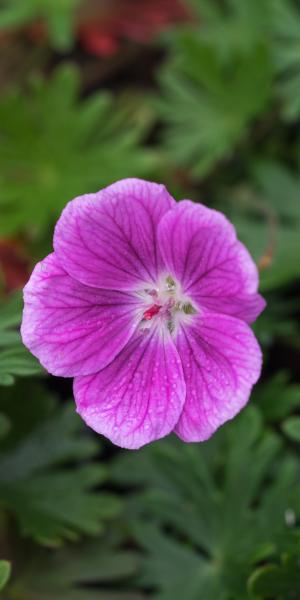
(200, 249)
(71, 328)
(138, 398)
(108, 239)
(221, 361)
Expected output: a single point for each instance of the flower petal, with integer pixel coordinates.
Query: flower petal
(221, 361)
(108, 239)
(138, 398)
(74, 329)
(200, 249)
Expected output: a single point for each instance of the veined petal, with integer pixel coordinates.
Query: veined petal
(71, 328)
(108, 240)
(138, 398)
(221, 362)
(200, 249)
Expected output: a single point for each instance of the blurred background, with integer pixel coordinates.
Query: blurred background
(204, 96)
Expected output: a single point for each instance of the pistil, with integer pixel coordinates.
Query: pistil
(151, 312)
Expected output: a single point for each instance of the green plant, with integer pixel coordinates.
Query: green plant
(58, 16)
(15, 360)
(226, 74)
(93, 570)
(4, 573)
(54, 148)
(195, 501)
(208, 105)
(40, 485)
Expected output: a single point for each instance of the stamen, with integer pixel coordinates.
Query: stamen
(171, 326)
(189, 309)
(151, 312)
(152, 293)
(170, 284)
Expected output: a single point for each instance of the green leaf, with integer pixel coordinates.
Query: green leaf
(278, 321)
(176, 569)
(194, 502)
(276, 582)
(291, 428)
(58, 15)
(236, 26)
(233, 26)
(4, 425)
(5, 569)
(277, 397)
(51, 500)
(207, 105)
(93, 570)
(15, 360)
(54, 148)
(286, 33)
(280, 188)
(266, 213)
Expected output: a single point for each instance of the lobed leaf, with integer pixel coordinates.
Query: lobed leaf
(47, 484)
(207, 105)
(96, 569)
(15, 360)
(195, 500)
(54, 148)
(291, 427)
(57, 15)
(5, 569)
(279, 582)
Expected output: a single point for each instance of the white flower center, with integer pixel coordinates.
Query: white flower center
(165, 305)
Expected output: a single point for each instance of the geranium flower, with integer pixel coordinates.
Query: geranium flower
(146, 302)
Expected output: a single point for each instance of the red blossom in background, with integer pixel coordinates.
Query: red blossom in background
(104, 25)
(14, 265)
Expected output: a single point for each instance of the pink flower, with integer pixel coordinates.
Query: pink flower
(146, 302)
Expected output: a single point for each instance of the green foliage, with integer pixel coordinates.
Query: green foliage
(223, 73)
(58, 16)
(4, 425)
(286, 24)
(5, 569)
(173, 521)
(15, 360)
(277, 398)
(266, 213)
(280, 189)
(279, 582)
(51, 500)
(208, 105)
(291, 428)
(279, 321)
(54, 148)
(217, 81)
(233, 26)
(68, 573)
(204, 496)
